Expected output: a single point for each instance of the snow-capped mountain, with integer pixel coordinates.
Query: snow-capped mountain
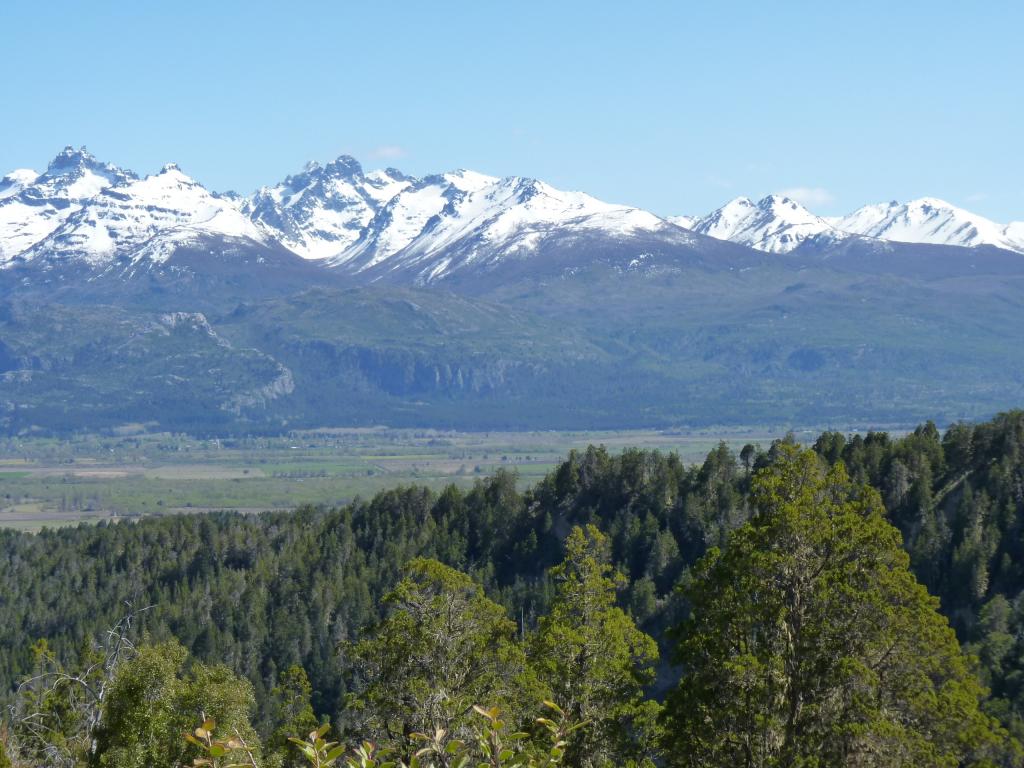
(775, 224)
(930, 220)
(448, 222)
(322, 211)
(33, 205)
(144, 220)
(371, 223)
(383, 223)
(465, 217)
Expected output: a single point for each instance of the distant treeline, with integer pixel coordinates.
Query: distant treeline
(265, 594)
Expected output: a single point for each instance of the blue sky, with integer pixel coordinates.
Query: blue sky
(672, 106)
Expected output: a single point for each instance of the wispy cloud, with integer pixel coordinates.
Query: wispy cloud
(809, 196)
(388, 152)
(977, 197)
(718, 181)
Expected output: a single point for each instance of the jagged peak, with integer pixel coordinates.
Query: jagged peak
(75, 174)
(344, 165)
(69, 157)
(397, 175)
(70, 161)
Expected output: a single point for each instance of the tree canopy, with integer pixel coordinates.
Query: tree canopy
(810, 642)
(267, 595)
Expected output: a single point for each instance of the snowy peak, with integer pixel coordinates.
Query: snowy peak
(15, 181)
(775, 224)
(384, 222)
(778, 224)
(344, 167)
(33, 206)
(75, 174)
(322, 210)
(930, 220)
(145, 219)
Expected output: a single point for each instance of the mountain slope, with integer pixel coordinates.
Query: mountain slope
(321, 211)
(75, 367)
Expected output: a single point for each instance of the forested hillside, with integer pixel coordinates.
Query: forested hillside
(265, 593)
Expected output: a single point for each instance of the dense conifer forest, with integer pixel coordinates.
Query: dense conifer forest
(279, 622)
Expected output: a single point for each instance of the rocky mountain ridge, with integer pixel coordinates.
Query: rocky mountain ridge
(384, 224)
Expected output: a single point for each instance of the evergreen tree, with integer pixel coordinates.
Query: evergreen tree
(291, 715)
(595, 659)
(811, 644)
(442, 649)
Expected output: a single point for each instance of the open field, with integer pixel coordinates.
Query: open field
(49, 482)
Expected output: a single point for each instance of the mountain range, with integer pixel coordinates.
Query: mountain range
(340, 296)
(778, 224)
(384, 222)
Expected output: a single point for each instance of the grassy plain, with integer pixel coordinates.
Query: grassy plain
(50, 482)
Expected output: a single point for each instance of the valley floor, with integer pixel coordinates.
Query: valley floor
(50, 482)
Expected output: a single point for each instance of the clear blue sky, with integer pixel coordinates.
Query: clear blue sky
(672, 106)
